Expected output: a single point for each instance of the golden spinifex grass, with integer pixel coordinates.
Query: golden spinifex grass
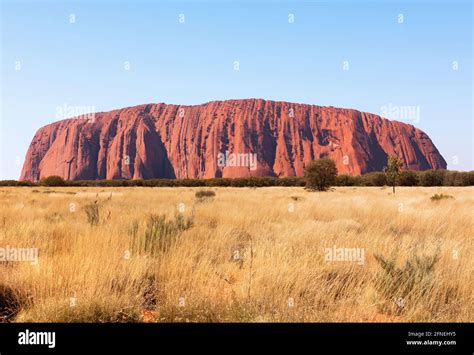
(271, 254)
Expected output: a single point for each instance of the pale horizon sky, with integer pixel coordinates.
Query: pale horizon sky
(373, 56)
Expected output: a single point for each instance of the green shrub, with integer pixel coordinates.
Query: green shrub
(289, 181)
(457, 178)
(347, 180)
(53, 180)
(375, 178)
(469, 178)
(260, 181)
(320, 174)
(218, 182)
(239, 182)
(137, 182)
(463, 178)
(16, 183)
(404, 178)
(432, 178)
(408, 178)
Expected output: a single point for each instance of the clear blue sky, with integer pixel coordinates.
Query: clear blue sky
(82, 63)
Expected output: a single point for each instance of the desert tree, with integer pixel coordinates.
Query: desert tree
(320, 174)
(393, 170)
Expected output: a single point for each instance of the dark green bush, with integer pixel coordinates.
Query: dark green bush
(290, 181)
(375, 178)
(347, 180)
(408, 178)
(405, 178)
(218, 182)
(469, 178)
(239, 182)
(53, 180)
(458, 178)
(16, 183)
(432, 178)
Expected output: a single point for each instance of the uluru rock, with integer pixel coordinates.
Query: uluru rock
(172, 141)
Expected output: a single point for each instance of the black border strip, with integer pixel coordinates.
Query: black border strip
(311, 338)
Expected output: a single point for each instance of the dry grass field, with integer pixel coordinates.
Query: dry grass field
(243, 255)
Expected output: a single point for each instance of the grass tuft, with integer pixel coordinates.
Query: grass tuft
(92, 212)
(401, 287)
(159, 235)
(438, 197)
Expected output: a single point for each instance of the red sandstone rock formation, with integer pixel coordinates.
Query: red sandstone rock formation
(171, 141)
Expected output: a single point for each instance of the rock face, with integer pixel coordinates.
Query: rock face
(230, 138)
